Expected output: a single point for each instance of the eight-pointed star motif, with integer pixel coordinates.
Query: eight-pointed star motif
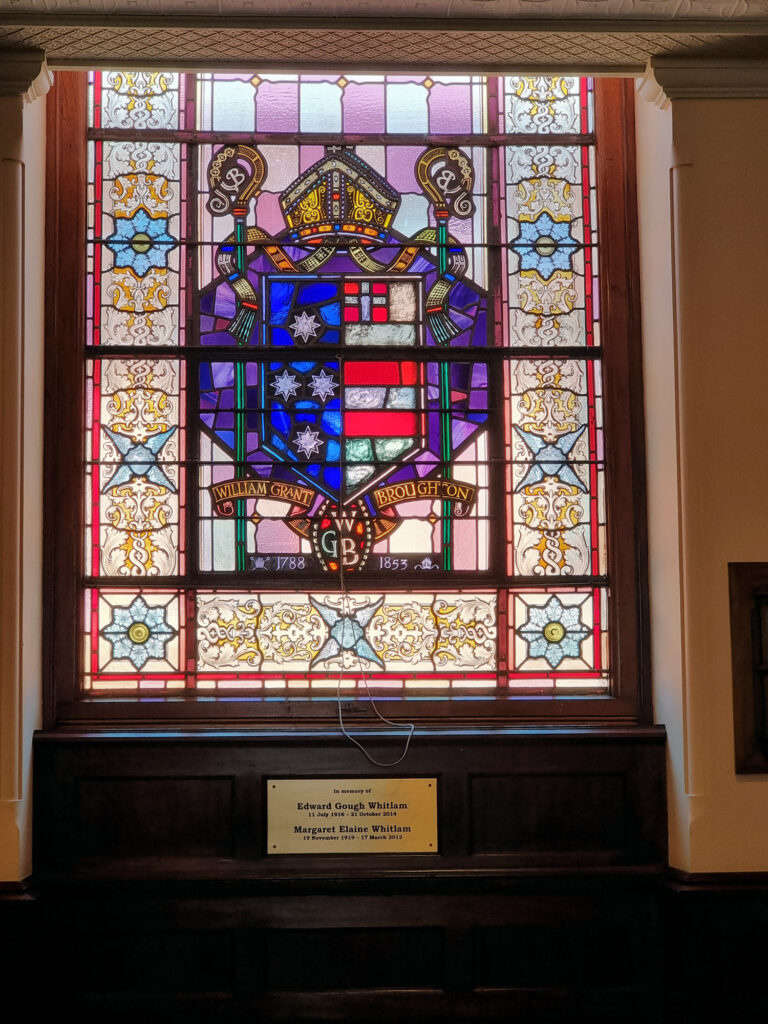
(305, 326)
(308, 442)
(138, 632)
(285, 385)
(545, 245)
(554, 631)
(550, 459)
(141, 242)
(347, 631)
(323, 385)
(139, 459)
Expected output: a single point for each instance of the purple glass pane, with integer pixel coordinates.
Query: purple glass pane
(277, 108)
(363, 107)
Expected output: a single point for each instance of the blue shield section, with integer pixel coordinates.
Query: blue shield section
(301, 420)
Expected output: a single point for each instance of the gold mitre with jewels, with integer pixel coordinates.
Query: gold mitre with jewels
(339, 196)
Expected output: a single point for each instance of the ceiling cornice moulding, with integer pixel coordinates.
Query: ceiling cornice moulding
(24, 73)
(688, 79)
(401, 23)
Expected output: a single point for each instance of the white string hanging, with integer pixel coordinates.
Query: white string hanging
(346, 609)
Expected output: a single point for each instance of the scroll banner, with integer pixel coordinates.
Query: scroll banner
(225, 493)
(331, 816)
(461, 494)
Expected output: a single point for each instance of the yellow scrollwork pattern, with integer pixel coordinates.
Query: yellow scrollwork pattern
(364, 210)
(310, 209)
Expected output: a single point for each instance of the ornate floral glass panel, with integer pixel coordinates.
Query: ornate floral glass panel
(135, 253)
(344, 422)
(135, 475)
(550, 225)
(548, 105)
(136, 101)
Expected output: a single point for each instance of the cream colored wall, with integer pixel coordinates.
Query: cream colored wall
(22, 169)
(704, 265)
(654, 149)
(705, 315)
(32, 524)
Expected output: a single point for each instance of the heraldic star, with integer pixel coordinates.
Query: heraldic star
(347, 633)
(304, 326)
(285, 385)
(308, 442)
(550, 459)
(139, 459)
(323, 386)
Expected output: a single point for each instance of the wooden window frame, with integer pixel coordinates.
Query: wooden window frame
(629, 701)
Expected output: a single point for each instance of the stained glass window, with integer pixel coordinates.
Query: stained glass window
(344, 386)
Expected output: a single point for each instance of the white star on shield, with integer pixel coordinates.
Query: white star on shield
(308, 442)
(323, 385)
(285, 385)
(305, 326)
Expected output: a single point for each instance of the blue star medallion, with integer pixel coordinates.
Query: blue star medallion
(545, 245)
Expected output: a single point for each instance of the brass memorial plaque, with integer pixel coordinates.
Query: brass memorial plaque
(352, 816)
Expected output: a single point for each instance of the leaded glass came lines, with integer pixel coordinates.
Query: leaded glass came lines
(344, 386)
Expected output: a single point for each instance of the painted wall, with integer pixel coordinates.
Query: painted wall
(22, 244)
(705, 307)
(704, 246)
(654, 156)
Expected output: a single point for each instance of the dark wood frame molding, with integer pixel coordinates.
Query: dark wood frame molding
(630, 701)
(65, 227)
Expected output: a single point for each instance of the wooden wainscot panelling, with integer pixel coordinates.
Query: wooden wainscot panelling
(550, 814)
(333, 959)
(721, 921)
(155, 817)
(120, 807)
(162, 901)
(544, 949)
(748, 593)
(542, 956)
(158, 962)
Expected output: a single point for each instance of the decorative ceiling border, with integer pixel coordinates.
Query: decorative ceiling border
(586, 46)
(388, 24)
